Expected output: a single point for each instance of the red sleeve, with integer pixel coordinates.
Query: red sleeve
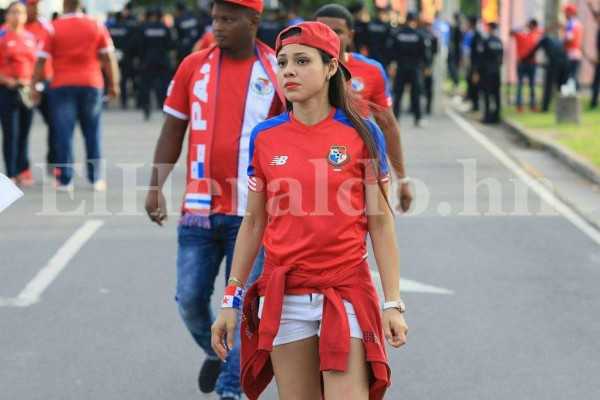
(2, 58)
(381, 96)
(177, 101)
(45, 47)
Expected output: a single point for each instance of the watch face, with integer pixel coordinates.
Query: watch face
(401, 306)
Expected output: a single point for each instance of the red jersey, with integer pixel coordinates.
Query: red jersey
(369, 80)
(41, 30)
(314, 178)
(525, 43)
(573, 35)
(17, 54)
(244, 94)
(74, 45)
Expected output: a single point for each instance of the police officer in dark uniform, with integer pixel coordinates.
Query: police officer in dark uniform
(270, 27)
(455, 50)
(187, 27)
(474, 72)
(407, 47)
(556, 69)
(361, 33)
(123, 37)
(378, 33)
(155, 46)
(431, 49)
(490, 74)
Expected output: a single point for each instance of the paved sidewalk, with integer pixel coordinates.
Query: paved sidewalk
(573, 179)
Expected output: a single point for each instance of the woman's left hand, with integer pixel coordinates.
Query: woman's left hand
(394, 327)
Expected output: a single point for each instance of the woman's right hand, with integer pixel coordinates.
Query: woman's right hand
(224, 324)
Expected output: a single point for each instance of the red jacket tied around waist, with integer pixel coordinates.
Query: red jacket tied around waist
(353, 284)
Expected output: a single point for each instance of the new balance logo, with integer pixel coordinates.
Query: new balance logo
(279, 160)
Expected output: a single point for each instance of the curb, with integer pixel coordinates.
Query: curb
(571, 160)
(574, 161)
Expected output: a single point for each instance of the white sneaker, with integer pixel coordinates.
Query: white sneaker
(422, 124)
(99, 185)
(64, 188)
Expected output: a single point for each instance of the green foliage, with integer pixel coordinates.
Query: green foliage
(470, 7)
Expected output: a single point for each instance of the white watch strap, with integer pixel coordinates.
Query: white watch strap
(390, 304)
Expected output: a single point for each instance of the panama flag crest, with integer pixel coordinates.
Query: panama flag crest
(338, 156)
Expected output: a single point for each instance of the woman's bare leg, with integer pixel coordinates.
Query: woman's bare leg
(296, 367)
(353, 384)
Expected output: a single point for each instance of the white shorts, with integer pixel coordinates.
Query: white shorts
(301, 318)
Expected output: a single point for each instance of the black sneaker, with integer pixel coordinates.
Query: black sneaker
(208, 375)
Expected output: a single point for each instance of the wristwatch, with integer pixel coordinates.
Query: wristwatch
(399, 304)
(39, 87)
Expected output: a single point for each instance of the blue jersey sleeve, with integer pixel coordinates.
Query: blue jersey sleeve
(256, 178)
(384, 170)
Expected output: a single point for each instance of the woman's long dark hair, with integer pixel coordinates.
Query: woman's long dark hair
(340, 97)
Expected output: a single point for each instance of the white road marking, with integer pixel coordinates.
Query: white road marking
(35, 288)
(535, 186)
(407, 285)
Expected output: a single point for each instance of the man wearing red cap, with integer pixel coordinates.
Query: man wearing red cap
(221, 92)
(573, 36)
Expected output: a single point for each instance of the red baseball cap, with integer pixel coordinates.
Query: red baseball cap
(253, 4)
(570, 9)
(317, 35)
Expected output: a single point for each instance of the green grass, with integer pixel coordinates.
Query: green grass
(583, 139)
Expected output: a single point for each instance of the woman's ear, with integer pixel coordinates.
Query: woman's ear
(332, 67)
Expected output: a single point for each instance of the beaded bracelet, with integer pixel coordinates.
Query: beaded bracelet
(233, 297)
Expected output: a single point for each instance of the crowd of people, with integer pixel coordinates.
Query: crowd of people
(563, 52)
(57, 67)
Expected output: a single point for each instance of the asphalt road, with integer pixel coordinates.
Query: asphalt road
(501, 289)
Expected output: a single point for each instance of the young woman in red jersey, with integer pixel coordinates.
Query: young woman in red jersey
(318, 184)
(17, 59)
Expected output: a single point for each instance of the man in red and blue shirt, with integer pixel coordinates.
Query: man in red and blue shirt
(221, 93)
(369, 82)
